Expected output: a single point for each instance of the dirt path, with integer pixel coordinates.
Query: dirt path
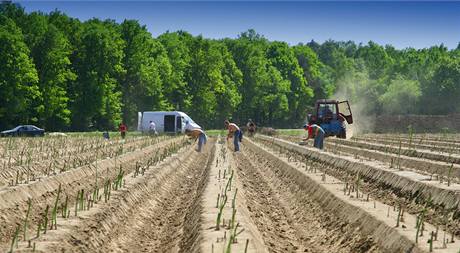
(218, 240)
(169, 221)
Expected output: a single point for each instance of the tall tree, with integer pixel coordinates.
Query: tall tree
(249, 52)
(228, 97)
(96, 97)
(55, 74)
(282, 57)
(443, 92)
(147, 68)
(314, 72)
(18, 78)
(50, 51)
(175, 88)
(402, 97)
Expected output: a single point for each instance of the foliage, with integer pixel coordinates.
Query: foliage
(18, 77)
(401, 97)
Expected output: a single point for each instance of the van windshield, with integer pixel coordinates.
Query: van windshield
(190, 120)
(191, 124)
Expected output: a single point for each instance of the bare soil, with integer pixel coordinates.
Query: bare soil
(275, 196)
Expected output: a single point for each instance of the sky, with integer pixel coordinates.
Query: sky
(401, 24)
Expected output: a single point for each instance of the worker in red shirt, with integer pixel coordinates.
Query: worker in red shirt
(123, 129)
(315, 131)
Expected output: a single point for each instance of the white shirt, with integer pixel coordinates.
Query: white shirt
(152, 126)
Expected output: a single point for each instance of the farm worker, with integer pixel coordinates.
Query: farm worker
(152, 128)
(234, 130)
(197, 133)
(317, 132)
(251, 127)
(123, 129)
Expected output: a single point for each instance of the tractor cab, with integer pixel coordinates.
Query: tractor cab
(331, 116)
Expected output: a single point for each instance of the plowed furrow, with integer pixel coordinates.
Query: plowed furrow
(168, 221)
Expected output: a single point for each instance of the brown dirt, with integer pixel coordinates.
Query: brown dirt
(158, 212)
(369, 217)
(287, 217)
(13, 200)
(217, 240)
(282, 204)
(391, 186)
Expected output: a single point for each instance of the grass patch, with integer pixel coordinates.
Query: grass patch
(216, 132)
(293, 132)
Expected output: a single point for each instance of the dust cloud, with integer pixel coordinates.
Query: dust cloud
(354, 90)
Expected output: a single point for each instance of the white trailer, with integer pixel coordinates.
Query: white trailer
(165, 122)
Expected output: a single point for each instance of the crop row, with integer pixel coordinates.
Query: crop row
(397, 187)
(93, 183)
(27, 169)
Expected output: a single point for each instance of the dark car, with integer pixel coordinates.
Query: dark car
(24, 130)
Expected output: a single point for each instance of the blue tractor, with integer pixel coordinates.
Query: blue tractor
(331, 115)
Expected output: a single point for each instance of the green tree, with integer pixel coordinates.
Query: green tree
(272, 98)
(249, 52)
(314, 72)
(18, 78)
(401, 97)
(282, 57)
(96, 95)
(175, 87)
(376, 59)
(53, 66)
(228, 98)
(50, 52)
(442, 94)
(213, 80)
(147, 68)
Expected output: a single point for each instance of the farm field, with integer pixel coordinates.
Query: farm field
(371, 193)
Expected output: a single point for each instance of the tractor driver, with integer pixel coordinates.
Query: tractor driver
(315, 131)
(326, 113)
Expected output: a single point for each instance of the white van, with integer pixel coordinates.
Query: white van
(165, 122)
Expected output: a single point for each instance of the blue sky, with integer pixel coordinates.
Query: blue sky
(401, 24)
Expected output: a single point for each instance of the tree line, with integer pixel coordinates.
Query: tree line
(64, 74)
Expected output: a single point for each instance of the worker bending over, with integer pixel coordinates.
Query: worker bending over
(251, 127)
(315, 131)
(197, 133)
(235, 132)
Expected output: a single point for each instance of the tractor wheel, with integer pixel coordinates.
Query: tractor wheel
(342, 134)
